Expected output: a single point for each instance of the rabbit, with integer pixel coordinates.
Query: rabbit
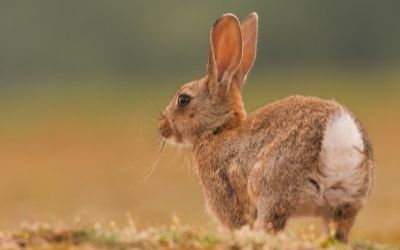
(299, 156)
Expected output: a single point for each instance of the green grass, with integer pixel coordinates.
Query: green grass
(175, 236)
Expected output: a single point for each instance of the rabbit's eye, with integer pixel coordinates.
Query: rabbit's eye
(183, 100)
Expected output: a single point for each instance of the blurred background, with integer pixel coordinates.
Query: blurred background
(82, 84)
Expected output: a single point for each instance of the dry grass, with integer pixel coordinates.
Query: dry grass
(176, 236)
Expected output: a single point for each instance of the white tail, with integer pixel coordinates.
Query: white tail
(341, 156)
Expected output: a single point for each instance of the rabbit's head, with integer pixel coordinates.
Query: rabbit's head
(213, 103)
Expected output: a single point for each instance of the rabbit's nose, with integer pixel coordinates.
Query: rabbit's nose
(164, 128)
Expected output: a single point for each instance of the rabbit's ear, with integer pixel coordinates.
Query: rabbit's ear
(225, 49)
(249, 33)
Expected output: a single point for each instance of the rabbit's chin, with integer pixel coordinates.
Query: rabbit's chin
(173, 141)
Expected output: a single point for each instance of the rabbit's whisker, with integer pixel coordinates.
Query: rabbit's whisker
(153, 166)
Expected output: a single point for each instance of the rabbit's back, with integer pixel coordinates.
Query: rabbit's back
(293, 111)
(296, 123)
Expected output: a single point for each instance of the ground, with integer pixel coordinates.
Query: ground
(175, 236)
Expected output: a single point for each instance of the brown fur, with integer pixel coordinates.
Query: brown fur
(261, 169)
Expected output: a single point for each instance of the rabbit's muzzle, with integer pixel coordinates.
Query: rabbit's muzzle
(164, 128)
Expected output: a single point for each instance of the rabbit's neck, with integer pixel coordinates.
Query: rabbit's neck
(236, 104)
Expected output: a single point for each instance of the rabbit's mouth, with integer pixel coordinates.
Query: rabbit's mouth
(171, 135)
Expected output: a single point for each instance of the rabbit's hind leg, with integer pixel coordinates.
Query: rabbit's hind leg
(343, 218)
(275, 195)
(278, 178)
(272, 214)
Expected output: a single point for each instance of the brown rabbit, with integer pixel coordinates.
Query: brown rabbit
(296, 156)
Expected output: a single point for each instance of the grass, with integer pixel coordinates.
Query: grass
(175, 236)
